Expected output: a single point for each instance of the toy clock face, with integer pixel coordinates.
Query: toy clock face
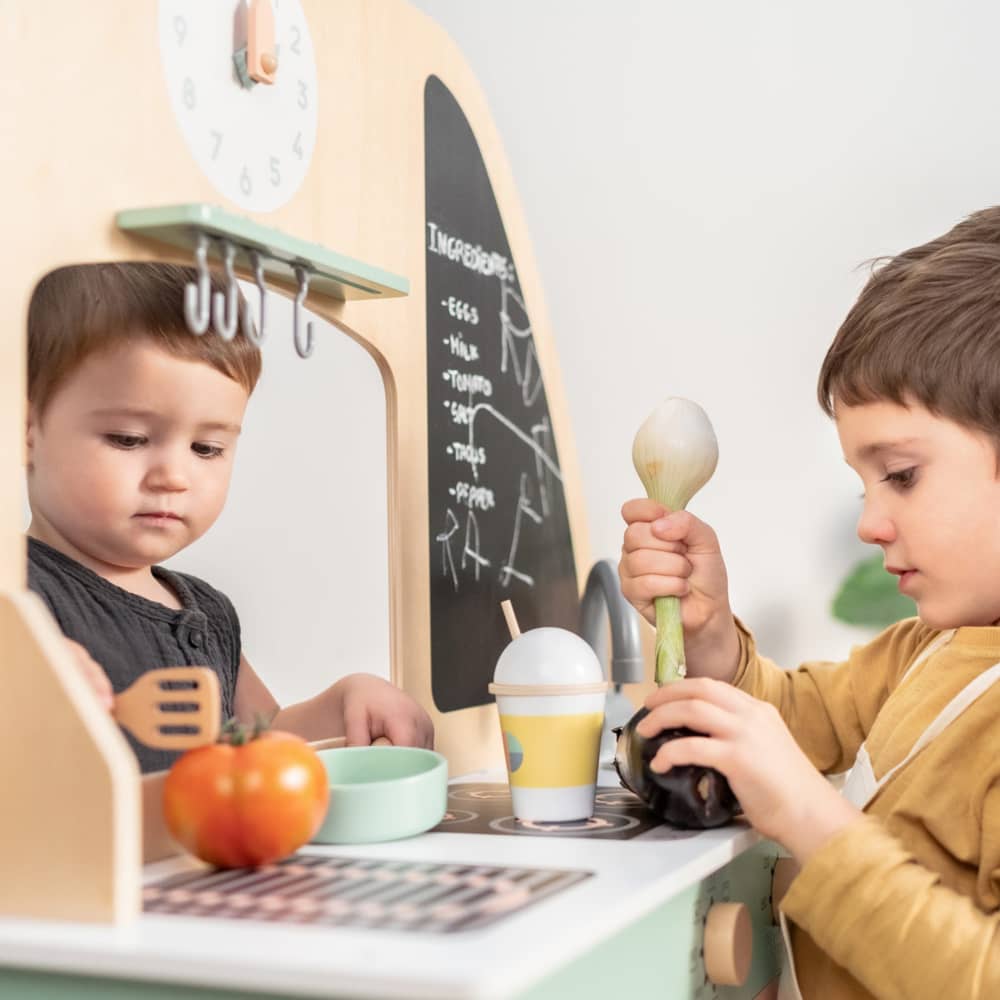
(253, 140)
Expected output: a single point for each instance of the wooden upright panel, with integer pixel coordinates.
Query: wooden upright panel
(91, 128)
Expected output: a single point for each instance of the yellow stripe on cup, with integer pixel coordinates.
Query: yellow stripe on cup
(552, 751)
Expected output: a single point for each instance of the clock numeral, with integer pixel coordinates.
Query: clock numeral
(297, 145)
(246, 185)
(217, 136)
(296, 45)
(275, 171)
(189, 96)
(180, 28)
(303, 95)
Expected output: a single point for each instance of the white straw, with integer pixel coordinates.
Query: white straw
(508, 613)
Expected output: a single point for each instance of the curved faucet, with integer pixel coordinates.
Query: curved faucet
(602, 601)
(603, 596)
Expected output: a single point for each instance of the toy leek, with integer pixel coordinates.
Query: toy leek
(675, 454)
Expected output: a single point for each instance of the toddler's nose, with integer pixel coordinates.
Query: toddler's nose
(167, 474)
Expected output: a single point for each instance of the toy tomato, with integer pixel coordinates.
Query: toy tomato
(246, 803)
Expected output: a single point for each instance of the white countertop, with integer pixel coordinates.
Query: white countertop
(631, 877)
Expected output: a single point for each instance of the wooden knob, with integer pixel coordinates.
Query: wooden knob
(785, 869)
(728, 944)
(268, 62)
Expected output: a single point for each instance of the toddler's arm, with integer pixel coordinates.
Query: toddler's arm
(93, 674)
(361, 707)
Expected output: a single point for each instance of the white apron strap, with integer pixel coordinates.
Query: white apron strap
(971, 692)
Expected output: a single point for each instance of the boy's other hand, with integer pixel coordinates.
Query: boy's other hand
(93, 674)
(779, 790)
(373, 707)
(668, 553)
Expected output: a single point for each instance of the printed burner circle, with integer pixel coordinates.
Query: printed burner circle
(618, 798)
(460, 794)
(453, 817)
(596, 824)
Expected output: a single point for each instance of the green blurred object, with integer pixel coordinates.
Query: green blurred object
(870, 596)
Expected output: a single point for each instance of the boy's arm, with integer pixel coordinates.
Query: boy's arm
(889, 921)
(830, 707)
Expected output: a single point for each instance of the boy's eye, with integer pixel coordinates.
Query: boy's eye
(902, 478)
(125, 441)
(207, 450)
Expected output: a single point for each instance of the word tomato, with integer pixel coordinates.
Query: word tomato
(239, 803)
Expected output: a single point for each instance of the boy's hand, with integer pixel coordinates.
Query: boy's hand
(93, 674)
(373, 707)
(675, 554)
(781, 793)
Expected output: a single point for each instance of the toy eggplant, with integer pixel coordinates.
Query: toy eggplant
(687, 795)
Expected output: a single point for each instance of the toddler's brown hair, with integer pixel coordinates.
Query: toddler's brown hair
(84, 309)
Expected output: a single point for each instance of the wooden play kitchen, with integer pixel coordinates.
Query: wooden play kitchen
(338, 152)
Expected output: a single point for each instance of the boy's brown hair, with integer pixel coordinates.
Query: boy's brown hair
(83, 309)
(926, 329)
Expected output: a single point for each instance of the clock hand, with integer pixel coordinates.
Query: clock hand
(262, 60)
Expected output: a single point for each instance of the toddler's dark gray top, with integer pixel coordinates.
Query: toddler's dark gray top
(128, 634)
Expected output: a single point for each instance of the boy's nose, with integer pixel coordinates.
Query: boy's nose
(874, 527)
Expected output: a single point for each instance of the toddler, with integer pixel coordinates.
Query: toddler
(132, 430)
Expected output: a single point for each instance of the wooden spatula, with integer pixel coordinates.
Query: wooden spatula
(173, 708)
(341, 741)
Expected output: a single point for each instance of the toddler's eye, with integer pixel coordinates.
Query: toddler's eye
(207, 450)
(125, 441)
(902, 478)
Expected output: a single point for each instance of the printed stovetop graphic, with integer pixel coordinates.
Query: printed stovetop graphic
(498, 527)
(486, 808)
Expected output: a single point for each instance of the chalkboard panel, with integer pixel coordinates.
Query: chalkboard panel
(498, 522)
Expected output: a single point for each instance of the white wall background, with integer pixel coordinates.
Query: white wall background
(301, 547)
(701, 182)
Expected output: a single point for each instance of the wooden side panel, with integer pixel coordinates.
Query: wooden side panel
(70, 836)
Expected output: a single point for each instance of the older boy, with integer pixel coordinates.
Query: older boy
(899, 891)
(132, 432)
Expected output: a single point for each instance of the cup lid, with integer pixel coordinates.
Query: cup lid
(548, 656)
(546, 690)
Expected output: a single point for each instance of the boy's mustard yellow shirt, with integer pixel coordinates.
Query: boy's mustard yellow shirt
(907, 898)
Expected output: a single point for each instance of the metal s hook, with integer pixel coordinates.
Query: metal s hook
(255, 334)
(196, 294)
(304, 350)
(226, 307)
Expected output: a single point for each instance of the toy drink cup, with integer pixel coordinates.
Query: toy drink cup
(550, 693)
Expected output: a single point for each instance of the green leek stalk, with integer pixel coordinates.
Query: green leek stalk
(675, 453)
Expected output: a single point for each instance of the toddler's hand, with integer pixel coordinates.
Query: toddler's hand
(373, 707)
(93, 674)
(781, 793)
(675, 554)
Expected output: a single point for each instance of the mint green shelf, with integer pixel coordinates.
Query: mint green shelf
(330, 273)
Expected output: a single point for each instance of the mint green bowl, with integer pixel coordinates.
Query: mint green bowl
(382, 793)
